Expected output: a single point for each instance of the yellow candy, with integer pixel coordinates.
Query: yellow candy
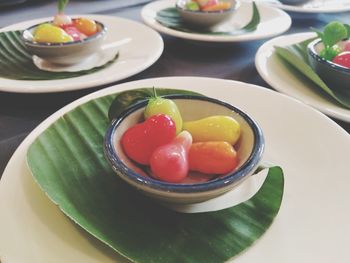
(48, 33)
(214, 128)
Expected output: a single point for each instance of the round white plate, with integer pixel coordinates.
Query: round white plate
(312, 224)
(273, 22)
(139, 47)
(314, 6)
(277, 75)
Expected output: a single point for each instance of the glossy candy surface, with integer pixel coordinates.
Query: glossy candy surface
(169, 162)
(214, 128)
(61, 20)
(158, 105)
(74, 33)
(85, 26)
(343, 59)
(51, 34)
(140, 141)
(213, 157)
(207, 5)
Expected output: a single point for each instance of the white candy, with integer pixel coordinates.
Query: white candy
(62, 19)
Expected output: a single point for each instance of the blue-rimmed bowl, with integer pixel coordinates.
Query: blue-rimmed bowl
(205, 19)
(293, 2)
(64, 53)
(249, 148)
(335, 76)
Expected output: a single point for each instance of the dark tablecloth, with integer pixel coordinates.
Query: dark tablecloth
(21, 113)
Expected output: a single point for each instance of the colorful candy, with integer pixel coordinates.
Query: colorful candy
(343, 59)
(60, 19)
(169, 162)
(158, 105)
(213, 157)
(207, 5)
(64, 29)
(85, 26)
(214, 128)
(336, 48)
(50, 33)
(171, 157)
(140, 141)
(74, 33)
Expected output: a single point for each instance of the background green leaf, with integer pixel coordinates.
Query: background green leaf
(296, 56)
(171, 18)
(68, 163)
(16, 62)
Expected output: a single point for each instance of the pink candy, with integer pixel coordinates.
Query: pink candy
(169, 162)
(347, 46)
(74, 33)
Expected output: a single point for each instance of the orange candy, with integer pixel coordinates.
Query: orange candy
(215, 157)
(86, 26)
(217, 7)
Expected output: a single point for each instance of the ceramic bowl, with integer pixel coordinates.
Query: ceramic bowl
(335, 76)
(64, 53)
(205, 19)
(249, 148)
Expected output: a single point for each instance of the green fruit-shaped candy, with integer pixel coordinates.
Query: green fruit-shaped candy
(49, 33)
(158, 105)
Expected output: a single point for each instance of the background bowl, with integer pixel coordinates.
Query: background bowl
(64, 53)
(294, 2)
(334, 75)
(205, 19)
(249, 148)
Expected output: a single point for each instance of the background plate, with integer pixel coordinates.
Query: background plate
(273, 21)
(314, 6)
(313, 222)
(276, 74)
(140, 47)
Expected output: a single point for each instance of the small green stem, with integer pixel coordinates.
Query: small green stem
(154, 92)
(61, 5)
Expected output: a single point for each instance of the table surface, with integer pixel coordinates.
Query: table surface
(21, 113)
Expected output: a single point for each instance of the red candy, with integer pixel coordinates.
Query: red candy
(343, 59)
(140, 141)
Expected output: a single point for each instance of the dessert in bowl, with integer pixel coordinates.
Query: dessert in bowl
(206, 13)
(329, 56)
(53, 44)
(64, 40)
(204, 178)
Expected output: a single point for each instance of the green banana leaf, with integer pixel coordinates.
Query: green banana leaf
(67, 161)
(296, 57)
(16, 62)
(171, 18)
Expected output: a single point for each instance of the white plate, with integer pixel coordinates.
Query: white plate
(140, 47)
(276, 74)
(314, 6)
(313, 222)
(97, 59)
(273, 22)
